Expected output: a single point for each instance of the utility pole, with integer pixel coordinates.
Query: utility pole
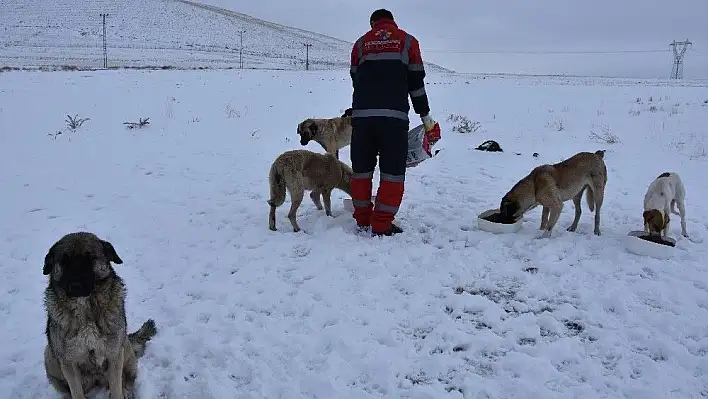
(307, 55)
(240, 50)
(679, 49)
(105, 48)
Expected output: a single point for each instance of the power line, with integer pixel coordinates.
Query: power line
(455, 51)
(542, 52)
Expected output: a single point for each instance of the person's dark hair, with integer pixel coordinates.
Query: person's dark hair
(380, 14)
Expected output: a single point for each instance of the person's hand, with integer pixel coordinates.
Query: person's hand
(432, 129)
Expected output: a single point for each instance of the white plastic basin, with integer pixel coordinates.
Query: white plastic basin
(497, 228)
(638, 246)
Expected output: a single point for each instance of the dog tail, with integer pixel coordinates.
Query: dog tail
(590, 197)
(139, 339)
(277, 187)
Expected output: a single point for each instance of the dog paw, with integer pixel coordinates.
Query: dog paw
(597, 232)
(571, 229)
(126, 395)
(272, 228)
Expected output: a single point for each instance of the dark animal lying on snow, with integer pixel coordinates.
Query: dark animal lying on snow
(490, 145)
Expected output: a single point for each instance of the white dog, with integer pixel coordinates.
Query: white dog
(663, 193)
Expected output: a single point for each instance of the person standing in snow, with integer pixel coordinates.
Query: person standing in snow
(386, 68)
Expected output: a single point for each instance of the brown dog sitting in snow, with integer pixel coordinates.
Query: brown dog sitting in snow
(88, 345)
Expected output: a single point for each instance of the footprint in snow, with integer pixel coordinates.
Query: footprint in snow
(700, 286)
(301, 251)
(695, 239)
(573, 327)
(648, 273)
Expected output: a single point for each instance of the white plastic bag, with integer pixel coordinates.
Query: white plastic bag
(418, 147)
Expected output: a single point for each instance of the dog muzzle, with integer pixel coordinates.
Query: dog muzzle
(78, 289)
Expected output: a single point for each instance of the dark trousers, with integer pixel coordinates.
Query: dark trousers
(387, 138)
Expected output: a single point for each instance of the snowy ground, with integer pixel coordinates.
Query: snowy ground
(442, 311)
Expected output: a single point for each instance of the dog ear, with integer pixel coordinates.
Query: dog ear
(647, 219)
(314, 129)
(49, 260)
(654, 219)
(110, 252)
(503, 207)
(508, 208)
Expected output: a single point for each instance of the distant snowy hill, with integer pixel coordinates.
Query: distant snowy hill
(177, 33)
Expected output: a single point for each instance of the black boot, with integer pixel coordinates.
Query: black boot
(363, 229)
(391, 231)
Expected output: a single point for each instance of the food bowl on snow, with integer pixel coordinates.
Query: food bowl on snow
(349, 206)
(491, 221)
(655, 246)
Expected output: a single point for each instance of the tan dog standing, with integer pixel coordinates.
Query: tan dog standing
(300, 170)
(664, 192)
(87, 341)
(332, 134)
(552, 185)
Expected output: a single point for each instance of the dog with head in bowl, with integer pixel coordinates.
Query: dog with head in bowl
(550, 185)
(665, 192)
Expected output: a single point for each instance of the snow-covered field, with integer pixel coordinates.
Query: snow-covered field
(442, 311)
(156, 33)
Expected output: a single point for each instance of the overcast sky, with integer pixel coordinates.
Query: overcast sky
(518, 26)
